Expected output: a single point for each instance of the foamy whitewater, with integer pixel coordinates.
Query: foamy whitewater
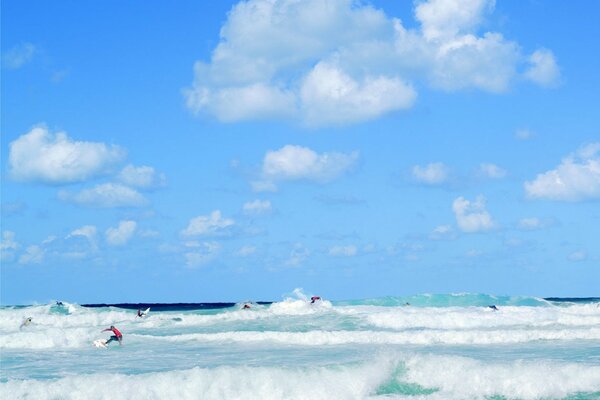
(436, 347)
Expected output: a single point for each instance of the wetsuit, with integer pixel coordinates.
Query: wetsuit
(118, 336)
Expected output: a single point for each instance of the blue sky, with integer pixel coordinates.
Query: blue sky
(233, 151)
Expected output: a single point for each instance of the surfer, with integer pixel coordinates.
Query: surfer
(144, 313)
(493, 307)
(26, 322)
(314, 298)
(246, 306)
(118, 336)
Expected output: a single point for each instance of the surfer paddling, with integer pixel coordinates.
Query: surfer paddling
(118, 336)
(314, 298)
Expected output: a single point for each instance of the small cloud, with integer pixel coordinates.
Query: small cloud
(473, 253)
(531, 224)
(491, 171)
(524, 134)
(431, 174)
(298, 254)
(202, 254)
(343, 251)
(40, 156)
(543, 68)
(11, 208)
(143, 177)
(442, 232)
(8, 246)
(578, 256)
(257, 207)
(34, 254)
(120, 235)
(148, 233)
(301, 163)
(576, 178)
(263, 186)
(18, 56)
(472, 216)
(246, 251)
(88, 232)
(107, 195)
(208, 225)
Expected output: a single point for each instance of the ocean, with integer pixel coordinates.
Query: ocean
(423, 347)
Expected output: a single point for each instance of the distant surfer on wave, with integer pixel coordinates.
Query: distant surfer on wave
(118, 336)
(246, 306)
(26, 322)
(493, 307)
(314, 298)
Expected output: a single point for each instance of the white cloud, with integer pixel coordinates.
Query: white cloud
(8, 246)
(263, 186)
(18, 56)
(86, 231)
(257, 207)
(208, 225)
(472, 216)
(576, 178)
(143, 177)
(298, 255)
(431, 174)
(343, 61)
(524, 134)
(543, 69)
(203, 254)
(106, 195)
(120, 235)
(298, 163)
(42, 156)
(33, 255)
(579, 255)
(442, 232)
(331, 96)
(246, 251)
(530, 224)
(492, 171)
(343, 251)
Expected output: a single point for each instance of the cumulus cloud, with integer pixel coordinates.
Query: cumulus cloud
(343, 251)
(120, 235)
(431, 174)
(492, 171)
(576, 178)
(524, 134)
(301, 163)
(88, 232)
(442, 232)
(202, 254)
(8, 246)
(18, 56)
(246, 251)
(343, 61)
(543, 68)
(143, 177)
(208, 225)
(42, 156)
(34, 254)
(106, 195)
(471, 216)
(257, 207)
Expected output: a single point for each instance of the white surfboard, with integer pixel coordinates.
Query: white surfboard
(100, 343)
(145, 312)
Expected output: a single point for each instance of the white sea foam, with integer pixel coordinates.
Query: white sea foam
(438, 377)
(429, 337)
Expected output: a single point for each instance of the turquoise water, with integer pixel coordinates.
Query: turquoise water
(438, 347)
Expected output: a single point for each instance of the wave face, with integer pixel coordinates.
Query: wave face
(437, 347)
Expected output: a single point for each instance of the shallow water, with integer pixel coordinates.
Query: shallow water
(439, 347)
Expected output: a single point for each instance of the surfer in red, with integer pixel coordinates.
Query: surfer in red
(314, 298)
(118, 336)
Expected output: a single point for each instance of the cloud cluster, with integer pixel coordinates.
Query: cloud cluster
(18, 56)
(576, 178)
(208, 225)
(257, 207)
(54, 158)
(41, 156)
(120, 235)
(291, 163)
(431, 174)
(343, 61)
(471, 216)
